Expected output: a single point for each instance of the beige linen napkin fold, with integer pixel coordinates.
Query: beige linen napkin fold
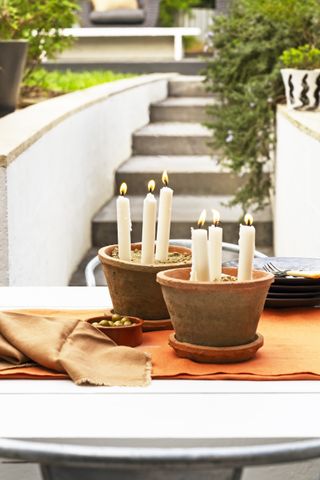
(71, 346)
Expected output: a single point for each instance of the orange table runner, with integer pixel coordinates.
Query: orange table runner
(291, 351)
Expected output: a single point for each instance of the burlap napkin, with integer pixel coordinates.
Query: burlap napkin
(70, 346)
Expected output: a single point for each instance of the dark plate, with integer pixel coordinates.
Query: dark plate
(291, 263)
(286, 303)
(272, 294)
(276, 288)
(287, 263)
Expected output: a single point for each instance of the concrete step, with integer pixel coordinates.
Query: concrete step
(188, 175)
(176, 138)
(188, 86)
(181, 109)
(186, 210)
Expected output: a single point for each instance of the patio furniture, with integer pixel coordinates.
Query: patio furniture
(77, 462)
(95, 262)
(122, 43)
(145, 16)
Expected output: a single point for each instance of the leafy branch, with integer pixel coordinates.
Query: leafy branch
(244, 75)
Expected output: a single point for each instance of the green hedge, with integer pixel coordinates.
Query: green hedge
(244, 75)
(169, 8)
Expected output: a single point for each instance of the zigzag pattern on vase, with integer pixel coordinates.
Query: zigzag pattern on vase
(304, 99)
(305, 89)
(317, 93)
(291, 89)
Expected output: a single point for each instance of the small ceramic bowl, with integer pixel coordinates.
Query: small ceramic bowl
(130, 335)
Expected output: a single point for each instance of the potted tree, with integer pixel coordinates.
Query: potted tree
(301, 77)
(25, 24)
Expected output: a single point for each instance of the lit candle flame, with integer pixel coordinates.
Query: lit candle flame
(151, 186)
(248, 219)
(165, 178)
(123, 189)
(202, 218)
(216, 217)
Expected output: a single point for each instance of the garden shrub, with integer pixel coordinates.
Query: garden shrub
(305, 57)
(244, 74)
(169, 8)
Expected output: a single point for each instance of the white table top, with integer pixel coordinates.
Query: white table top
(167, 408)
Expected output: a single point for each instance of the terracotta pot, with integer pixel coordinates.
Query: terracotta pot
(217, 314)
(130, 335)
(133, 287)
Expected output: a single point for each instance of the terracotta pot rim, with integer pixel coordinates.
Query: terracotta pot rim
(105, 258)
(137, 322)
(167, 278)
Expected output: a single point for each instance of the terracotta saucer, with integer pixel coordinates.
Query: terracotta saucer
(203, 354)
(153, 325)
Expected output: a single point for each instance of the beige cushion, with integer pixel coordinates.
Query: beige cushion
(106, 5)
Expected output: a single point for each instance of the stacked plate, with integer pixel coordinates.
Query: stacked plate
(292, 291)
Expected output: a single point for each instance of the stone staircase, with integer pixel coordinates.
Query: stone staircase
(175, 140)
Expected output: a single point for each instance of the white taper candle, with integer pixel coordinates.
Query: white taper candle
(200, 263)
(215, 248)
(149, 226)
(164, 220)
(246, 249)
(124, 224)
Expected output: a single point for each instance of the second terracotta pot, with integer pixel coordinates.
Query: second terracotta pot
(133, 287)
(217, 314)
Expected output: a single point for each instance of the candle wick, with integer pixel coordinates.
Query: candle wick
(165, 183)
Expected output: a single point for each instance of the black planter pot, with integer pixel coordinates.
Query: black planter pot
(13, 54)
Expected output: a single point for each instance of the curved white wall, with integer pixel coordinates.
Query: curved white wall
(297, 205)
(62, 172)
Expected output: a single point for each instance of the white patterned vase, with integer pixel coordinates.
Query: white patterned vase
(302, 88)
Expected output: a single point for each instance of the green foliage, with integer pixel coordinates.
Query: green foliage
(305, 57)
(169, 8)
(38, 21)
(244, 76)
(70, 81)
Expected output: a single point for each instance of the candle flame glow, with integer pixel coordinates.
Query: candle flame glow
(202, 218)
(248, 219)
(165, 178)
(216, 217)
(123, 189)
(151, 186)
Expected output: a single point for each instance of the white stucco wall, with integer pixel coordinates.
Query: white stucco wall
(4, 256)
(297, 204)
(58, 182)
